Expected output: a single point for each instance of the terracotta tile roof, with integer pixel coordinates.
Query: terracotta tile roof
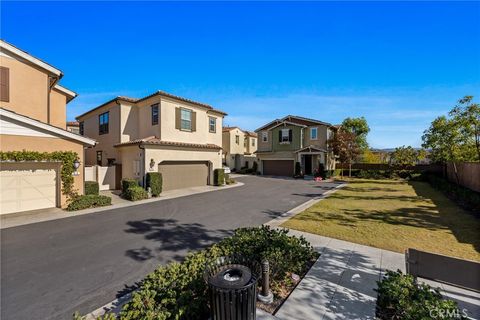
(155, 141)
(251, 133)
(73, 123)
(225, 129)
(161, 93)
(248, 133)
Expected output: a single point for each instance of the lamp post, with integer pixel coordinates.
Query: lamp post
(265, 296)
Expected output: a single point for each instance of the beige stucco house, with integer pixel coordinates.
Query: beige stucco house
(283, 142)
(239, 148)
(161, 132)
(33, 118)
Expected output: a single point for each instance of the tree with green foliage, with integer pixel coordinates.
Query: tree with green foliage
(405, 156)
(359, 127)
(457, 137)
(370, 157)
(344, 144)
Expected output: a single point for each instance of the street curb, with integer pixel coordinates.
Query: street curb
(62, 214)
(276, 222)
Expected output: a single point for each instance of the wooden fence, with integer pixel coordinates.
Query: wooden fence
(466, 174)
(384, 166)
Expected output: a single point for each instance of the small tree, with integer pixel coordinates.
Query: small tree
(344, 145)
(404, 156)
(359, 127)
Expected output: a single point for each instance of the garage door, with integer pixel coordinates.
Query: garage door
(278, 167)
(178, 175)
(23, 189)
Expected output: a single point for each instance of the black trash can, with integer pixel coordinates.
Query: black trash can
(232, 284)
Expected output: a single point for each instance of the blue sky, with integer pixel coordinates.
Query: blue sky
(398, 64)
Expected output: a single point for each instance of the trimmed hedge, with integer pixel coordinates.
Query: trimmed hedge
(402, 297)
(219, 177)
(178, 290)
(135, 193)
(128, 183)
(154, 181)
(91, 187)
(88, 201)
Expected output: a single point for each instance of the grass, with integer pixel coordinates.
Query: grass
(394, 215)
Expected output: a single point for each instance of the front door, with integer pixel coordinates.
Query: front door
(308, 164)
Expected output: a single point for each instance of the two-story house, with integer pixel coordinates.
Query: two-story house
(161, 132)
(33, 118)
(283, 142)
(239, 148)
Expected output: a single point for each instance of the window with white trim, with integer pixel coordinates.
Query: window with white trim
(264, 136)
(285, 135)
(212, 124)
(186, 119)
(313, 133)
(253, 142)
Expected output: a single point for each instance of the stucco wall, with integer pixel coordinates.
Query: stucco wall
(41, 144)
(144, 121)
(58, 109)
(105, 141)
(264, 146)
(28, 89)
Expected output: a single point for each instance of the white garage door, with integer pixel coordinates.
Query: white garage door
(24, 189)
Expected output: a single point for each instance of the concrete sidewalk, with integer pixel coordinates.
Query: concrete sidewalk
(341, 284)
(35, 216)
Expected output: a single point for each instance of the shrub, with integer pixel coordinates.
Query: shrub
(401, 297)
(91, 187)
(178, 290)
(298, 169)
(128, 183)
(228, 180)
(154, 182)
(218, 177)
(254, 167)
(88, 201)
(135, 193)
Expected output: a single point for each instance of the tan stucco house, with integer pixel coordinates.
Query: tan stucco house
(239, 148)
(33, 118)
(283, 142)
(161, 132)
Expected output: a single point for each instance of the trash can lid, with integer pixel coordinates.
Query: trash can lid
(231, 276)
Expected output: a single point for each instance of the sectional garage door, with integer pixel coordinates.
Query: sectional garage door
(183, 174)
(278, 167)
(24, 187)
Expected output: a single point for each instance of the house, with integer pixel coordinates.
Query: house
(73, 126)
(33, 118)
(239, 148)
(283, 142)
(161, 132)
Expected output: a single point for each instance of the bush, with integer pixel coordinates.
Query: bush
(254, 167)
(218, 177)
(228, 180)
(178, 290)
(128, 183)
(298, 169)
(465, 197)
(135, 193)
(91, 187)
(154, 182)
(88, 201)
(401, 297)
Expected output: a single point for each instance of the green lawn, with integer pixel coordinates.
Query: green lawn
(394, 215)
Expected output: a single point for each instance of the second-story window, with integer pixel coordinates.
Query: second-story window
(154, 114)
(80, 128)
(313, 133)
(285, 135)
(265, 136)
(212, 124)
(245, 142)
(253, 142)
(103, 123)
(186, 119)
(4, 84)
(237, 139)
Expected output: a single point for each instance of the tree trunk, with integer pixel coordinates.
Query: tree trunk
(349, 170)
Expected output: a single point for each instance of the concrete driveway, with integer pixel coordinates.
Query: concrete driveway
(51, 269)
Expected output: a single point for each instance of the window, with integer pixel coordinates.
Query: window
(245, 142)
(80, 128)
(212, 124)
(186, 119)
(4, 84)
(313, 133)
(265, 136)
(99, 158)
(253, 142)
(285, 136)
(103, 123)
(154, 114)
(237, 139)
